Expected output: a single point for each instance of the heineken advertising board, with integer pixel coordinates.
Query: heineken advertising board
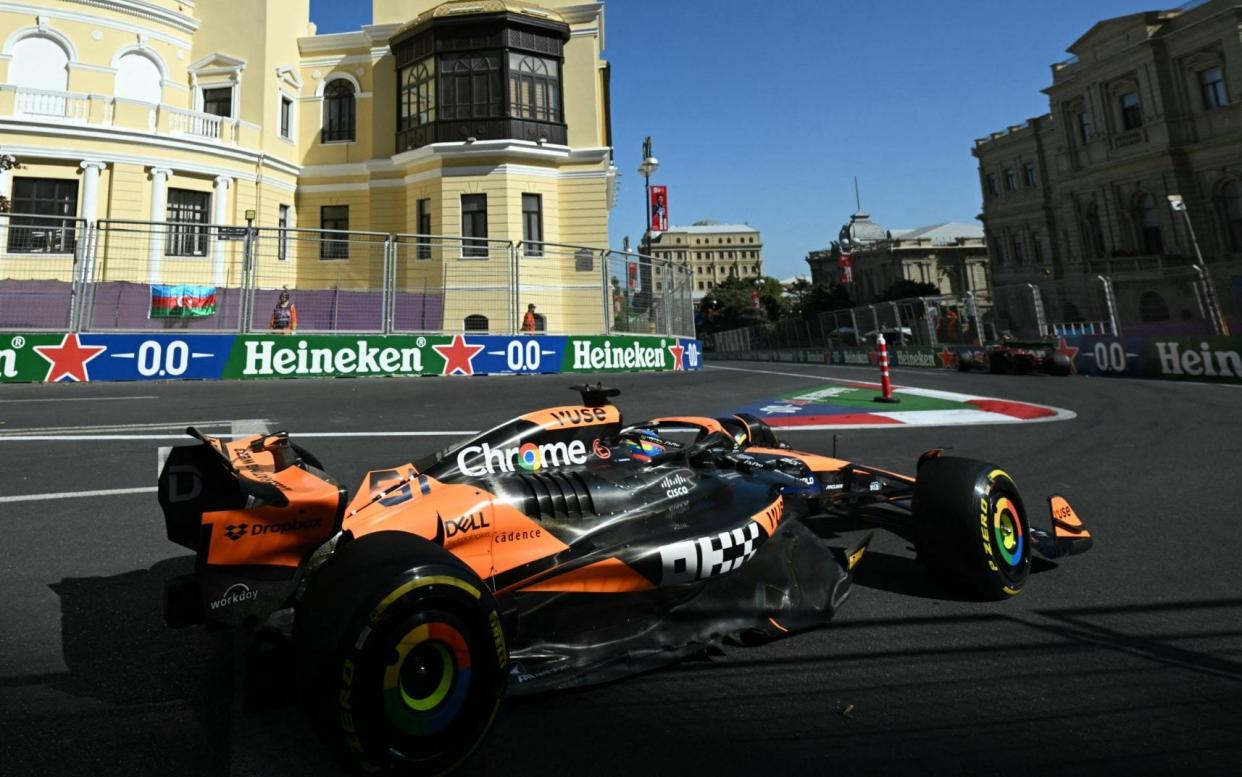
(55, 357)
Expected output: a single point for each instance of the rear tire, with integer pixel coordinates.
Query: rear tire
(401, 653)
(971, 529)
(1059, 364)
(965, 361)
(999, 362)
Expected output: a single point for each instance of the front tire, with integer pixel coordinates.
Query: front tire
(971, 529)
(402, 654)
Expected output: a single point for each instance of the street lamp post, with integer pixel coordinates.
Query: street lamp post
(648, 167)
(1219, 325)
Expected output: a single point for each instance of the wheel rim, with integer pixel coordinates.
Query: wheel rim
(428, 679)
(1008, 531)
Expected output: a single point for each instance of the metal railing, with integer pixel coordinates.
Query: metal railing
(60, 105)
(1159, 300)
(202, 125)
(58, 273)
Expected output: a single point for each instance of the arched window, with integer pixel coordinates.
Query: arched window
(1153, 308)
(476, 323)
(339, 111)
(1147, 216)
(139, 78)
(534, 89)
(39, 63)
(472, 87)
(1231, 210)
(418, 95)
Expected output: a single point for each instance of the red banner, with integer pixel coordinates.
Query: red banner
(846, 266)
(631, 281)
(659, 208)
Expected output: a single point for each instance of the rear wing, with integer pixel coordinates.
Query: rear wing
(252, 510)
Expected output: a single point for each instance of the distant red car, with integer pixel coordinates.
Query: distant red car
(1020, 356)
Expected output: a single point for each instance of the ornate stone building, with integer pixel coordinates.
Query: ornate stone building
(951, 256)
(1148, 106)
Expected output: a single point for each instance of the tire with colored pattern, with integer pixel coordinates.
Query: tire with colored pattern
(401, 651)
(970, 526)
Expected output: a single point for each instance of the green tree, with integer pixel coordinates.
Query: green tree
(731, 304)
(808, 301)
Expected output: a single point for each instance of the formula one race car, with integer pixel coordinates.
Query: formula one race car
(1020, 356)
(558, 549)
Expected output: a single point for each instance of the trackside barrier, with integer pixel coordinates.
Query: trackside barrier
(38, 357)
(61, 274)
(1205, 358)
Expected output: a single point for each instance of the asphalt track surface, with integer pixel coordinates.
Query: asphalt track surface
(1126, 660)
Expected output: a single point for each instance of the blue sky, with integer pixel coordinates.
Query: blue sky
(764, 112)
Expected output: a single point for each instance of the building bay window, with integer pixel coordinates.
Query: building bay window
(534, 88)
(495, 76)
(418, 95)
(471, 86)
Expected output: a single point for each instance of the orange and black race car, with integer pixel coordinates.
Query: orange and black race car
(561, 548)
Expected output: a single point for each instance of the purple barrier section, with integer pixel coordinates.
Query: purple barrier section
(35, 304)
(121, 305)
(418, 312)
(324, 310)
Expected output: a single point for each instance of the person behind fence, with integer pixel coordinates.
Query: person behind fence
(285, 314)
(529, 323)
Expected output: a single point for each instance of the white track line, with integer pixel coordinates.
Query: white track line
(181, 425)
(76, 399)
(76, 494)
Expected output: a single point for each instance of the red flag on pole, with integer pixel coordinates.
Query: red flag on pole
(659, 208)
(846, 267)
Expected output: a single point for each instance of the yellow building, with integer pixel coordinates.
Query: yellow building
(483, 120)
(712, 252)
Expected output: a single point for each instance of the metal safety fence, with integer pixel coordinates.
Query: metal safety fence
(1165, 299)
(111, 275)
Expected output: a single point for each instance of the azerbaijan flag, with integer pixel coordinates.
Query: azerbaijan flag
(182, 301)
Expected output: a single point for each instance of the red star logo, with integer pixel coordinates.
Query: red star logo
(68, 359)
(946, 358)
(1070, 351)
(678, 351)
(458, 356)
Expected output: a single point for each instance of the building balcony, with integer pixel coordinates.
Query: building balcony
(460, 130)
(73, 109)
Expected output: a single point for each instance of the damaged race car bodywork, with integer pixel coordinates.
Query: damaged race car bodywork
(558, 549)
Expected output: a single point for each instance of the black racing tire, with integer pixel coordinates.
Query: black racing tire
(1058, 364)
(999, 362)
(401, 654)
(971, 529)
(965, 361)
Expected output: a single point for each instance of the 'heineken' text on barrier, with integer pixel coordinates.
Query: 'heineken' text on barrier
(1195, 358)
(634, 356)
(264, 358)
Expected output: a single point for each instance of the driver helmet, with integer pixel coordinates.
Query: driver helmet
(644, 444)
